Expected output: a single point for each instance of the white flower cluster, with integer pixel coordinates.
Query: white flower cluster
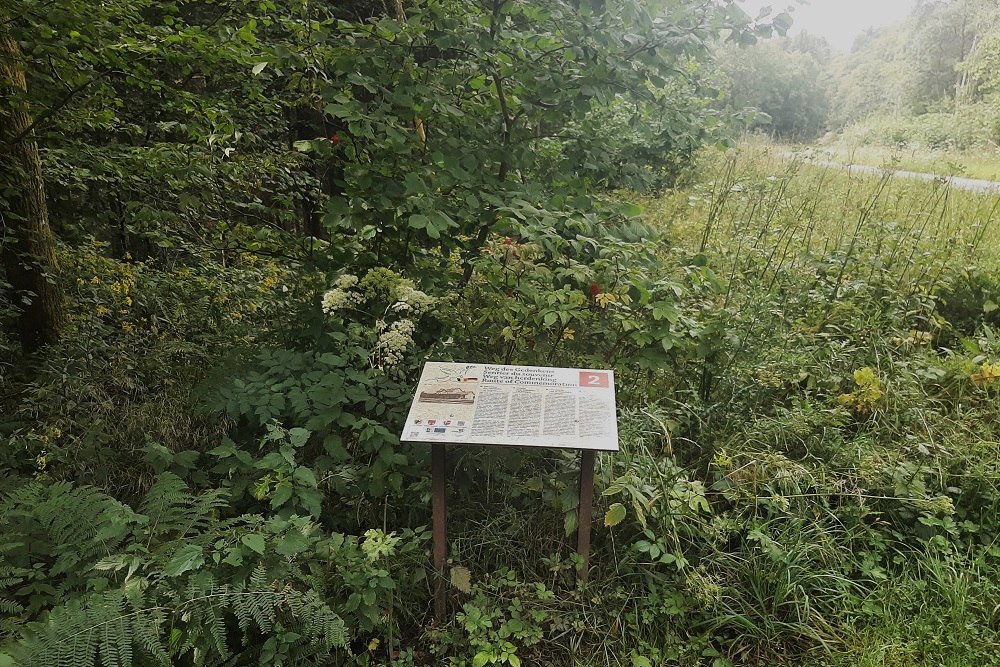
(406, 302)
(340, 296)
(408, 299)
(393, 341)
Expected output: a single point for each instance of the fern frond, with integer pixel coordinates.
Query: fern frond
(75, 524)
(174, 512)
(101, 629)
(10, 607)
(204, 610)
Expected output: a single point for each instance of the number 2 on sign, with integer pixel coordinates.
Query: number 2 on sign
(588, 379)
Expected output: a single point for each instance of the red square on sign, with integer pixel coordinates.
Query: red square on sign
(591, 379)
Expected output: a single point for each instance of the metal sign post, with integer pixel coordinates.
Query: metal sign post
(438, 511)
(519, 406)
(586, 511)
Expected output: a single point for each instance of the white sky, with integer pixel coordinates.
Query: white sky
(840, 21)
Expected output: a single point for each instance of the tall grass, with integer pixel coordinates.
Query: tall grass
(863, 533)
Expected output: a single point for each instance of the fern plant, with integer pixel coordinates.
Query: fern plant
(85, 580)
(53, 533)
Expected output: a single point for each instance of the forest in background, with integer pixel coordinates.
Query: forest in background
(930, 82)
(233, 231)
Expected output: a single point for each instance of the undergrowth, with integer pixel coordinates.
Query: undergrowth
(809, 373)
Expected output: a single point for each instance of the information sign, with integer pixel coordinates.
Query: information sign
(527, 406)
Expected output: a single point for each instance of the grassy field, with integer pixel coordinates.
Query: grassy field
(978, 164)
(853, 418)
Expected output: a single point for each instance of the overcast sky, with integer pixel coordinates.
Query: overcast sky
(840, 21)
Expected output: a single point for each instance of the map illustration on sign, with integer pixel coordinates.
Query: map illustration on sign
(530, 406)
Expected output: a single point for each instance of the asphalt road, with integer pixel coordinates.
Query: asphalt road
(958, 182)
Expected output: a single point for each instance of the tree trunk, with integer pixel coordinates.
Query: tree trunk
(27, 246)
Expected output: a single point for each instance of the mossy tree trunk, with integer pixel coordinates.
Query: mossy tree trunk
(27, 246)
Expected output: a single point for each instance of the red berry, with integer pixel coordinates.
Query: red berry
(335, 139)
(508, 241)
(595, 289)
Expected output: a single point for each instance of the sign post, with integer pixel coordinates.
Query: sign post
(438, 510)
(516, 406)
(586, 510)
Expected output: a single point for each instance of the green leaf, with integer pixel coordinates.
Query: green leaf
(298, 436)
(481, 659)
(282, 494)
(293, 543)
(782, 22)
(418, 221)
(631, 210)
(254, 542)
(989, 307)
(258, 68)
(570, 522)
(640, 661)
(614, 515)
(305, 477)
(188, 557)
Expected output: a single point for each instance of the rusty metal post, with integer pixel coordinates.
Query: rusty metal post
(586, 511)
(439, 529)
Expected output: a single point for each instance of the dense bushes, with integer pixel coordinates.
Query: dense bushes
(974, 127)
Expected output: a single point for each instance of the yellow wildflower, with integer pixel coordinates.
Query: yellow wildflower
(568, 334)
(868, 392)
(373, 644)
(101, 310)
(988, 374)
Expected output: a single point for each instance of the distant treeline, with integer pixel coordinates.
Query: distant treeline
(932, 80)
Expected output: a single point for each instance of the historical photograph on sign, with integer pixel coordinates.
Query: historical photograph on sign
(514, 405)
(448, 395)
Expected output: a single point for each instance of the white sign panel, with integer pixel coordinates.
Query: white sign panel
(530, 406)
